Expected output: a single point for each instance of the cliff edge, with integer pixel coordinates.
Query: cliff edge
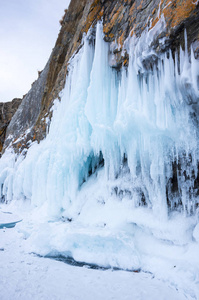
(121, 19)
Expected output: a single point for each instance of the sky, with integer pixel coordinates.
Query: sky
(28, 32)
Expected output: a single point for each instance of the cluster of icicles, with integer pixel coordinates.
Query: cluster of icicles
(137, 124)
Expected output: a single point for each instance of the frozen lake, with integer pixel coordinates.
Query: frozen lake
(26, 276)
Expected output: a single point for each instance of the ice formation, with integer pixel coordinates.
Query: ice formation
(120, 143)
(139, 123)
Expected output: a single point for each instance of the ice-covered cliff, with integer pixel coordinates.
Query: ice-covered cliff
(121, 20)
(115, 181)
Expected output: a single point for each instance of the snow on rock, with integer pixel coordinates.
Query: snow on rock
(196, 233)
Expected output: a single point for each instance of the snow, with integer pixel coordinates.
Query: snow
(166, 259)
(25, 276)
(196, 233)
(114, 182)
(7, 217)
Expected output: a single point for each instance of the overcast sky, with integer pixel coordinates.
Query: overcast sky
(28, 32)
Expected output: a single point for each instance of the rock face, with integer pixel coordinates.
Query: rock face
(7, 110)
(121, 19)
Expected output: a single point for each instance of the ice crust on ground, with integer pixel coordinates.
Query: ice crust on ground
(28, 277)
(105, 185)
(7, 217)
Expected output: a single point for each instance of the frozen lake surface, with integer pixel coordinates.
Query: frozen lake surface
(26, 276)
(8, 219)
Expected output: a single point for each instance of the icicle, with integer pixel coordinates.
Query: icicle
(195, 72)
(138, 126)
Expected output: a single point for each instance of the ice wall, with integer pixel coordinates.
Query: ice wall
(135, 130)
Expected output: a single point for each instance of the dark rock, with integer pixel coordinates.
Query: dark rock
(7, 110)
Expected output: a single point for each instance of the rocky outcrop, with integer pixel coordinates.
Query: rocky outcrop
(7, 110)
(19, 131)
(30, 123)
(121, 19)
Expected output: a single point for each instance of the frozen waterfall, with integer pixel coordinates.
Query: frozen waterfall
(132, 134)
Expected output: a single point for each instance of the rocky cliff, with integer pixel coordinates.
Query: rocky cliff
(7, 110)
(121, 19)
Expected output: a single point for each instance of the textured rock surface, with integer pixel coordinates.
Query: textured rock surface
(121, 19)
(7, 110)
(27, 114)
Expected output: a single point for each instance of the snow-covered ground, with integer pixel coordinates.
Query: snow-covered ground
(25, 276)
(167, 271)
